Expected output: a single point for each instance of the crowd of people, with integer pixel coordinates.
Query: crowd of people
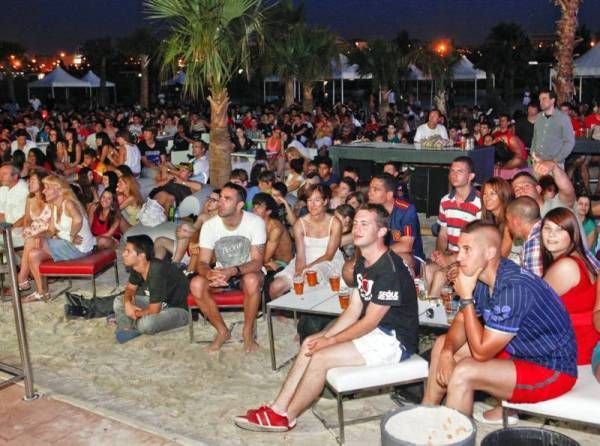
(519, 250)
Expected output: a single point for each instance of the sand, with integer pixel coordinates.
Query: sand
(167, 384)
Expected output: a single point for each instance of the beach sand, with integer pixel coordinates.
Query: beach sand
(165, 384)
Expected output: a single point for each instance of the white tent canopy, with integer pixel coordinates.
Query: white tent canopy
(59, 78)
(463, 70)
(588, 66)
(94, 80)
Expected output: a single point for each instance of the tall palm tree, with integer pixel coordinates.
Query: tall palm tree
(99, 53)
(565, 30)
(304, 55)
(141, 44)
(384, 62)
(437, 65)
(213, 38)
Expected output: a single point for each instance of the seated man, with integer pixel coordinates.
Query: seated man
(13, 196)
(278, 249)
(379, 327)
(163, 306)
(237, 239)
(525, 350)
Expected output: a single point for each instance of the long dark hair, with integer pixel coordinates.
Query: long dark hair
(566, 220)
(503, 190)
(85, 193)
(113, 207)
(73, 133)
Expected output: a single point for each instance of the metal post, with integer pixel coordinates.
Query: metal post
(580, 88)
(25, 373)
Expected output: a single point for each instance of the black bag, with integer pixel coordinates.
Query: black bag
(502, 153)
(309, 324)
(79, 306)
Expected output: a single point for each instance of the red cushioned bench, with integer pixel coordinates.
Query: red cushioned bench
(89, 266)
(223, 299)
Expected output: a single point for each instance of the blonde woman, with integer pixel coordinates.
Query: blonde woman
(68, 236)
(130, 201)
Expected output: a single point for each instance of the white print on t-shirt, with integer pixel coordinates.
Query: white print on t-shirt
(365, 287)
(232, 251)
(388, 295)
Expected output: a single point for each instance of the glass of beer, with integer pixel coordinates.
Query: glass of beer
(446, 295)
(334, 282)
(344, 298)
(299, 285)
(311, 277)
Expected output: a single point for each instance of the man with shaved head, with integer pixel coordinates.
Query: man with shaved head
(523, 222)
(524, 351)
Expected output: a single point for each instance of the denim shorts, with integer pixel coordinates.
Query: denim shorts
(61, 249)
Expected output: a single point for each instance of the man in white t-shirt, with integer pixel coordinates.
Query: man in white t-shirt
(237, 240)
(13, 196)
(431, 127)
(21, 142)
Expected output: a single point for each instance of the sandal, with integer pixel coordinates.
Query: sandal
(37, 297)
(25, 286)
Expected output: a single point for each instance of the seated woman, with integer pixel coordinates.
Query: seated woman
(275, 152)
(345, 214)
(583, 207)
(240, 142)
(187, 236)
(126, 153)
(35, 222)
(68, 236)
(317, 237)
(130, 201)
(568, 271)
(84, 187)
(345, 188)
(496, 194)
(295, 176)
(109, 181)
(105, 220)
(62, 164)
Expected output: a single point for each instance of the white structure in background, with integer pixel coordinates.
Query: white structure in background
(342, 71)
(94, 81)
(463, 70)
(59, 78)
(586, 66)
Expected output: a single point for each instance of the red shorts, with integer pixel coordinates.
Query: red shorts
(536, 383)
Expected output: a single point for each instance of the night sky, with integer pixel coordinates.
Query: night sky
(47, 26)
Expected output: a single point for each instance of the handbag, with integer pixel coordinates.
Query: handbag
(78, 306)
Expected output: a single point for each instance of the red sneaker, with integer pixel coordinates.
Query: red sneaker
(264, 419)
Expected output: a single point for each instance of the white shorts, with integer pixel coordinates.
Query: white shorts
(379, 348)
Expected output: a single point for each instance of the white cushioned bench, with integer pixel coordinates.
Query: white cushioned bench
(345, 381)
(581, 404)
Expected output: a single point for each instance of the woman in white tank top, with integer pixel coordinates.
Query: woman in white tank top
(317, 237)
(69, 236)
(127, 154)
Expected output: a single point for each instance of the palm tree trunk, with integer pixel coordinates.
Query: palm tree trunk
(144, 92)
(219, 153)
(384, 105)
(307, 97)
(566, 28)
(103, 92)
(289, 92)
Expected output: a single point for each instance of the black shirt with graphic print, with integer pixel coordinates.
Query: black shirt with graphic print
(165, 284)
(388, 282)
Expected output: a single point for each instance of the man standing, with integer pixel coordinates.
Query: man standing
(524, 127)
(431, 127)
(163, 305)
(524, 351)
(237, 239)
(553, 137)
(379, 327)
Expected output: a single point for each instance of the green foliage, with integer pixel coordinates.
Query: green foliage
(433, 64)
(506, 50)
(383, 60)
(212, 37)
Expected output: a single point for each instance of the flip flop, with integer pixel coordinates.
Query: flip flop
(478, 416)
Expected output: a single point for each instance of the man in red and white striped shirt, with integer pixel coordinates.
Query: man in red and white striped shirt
(461, 206)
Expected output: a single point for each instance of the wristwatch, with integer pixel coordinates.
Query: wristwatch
(464, 302)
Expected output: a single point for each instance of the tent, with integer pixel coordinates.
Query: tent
(341, 70)
(94, 81)
(415, 74)
(463, 70)
(59, 78)
(588, 66)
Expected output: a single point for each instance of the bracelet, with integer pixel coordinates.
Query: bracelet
(465, 302)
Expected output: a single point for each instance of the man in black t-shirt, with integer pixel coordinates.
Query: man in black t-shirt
(153, 153)
(379, 327)
(163, 304)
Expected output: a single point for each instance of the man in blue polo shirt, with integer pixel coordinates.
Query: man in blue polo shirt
(525, 350)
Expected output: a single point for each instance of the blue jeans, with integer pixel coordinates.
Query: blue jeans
(167, 319)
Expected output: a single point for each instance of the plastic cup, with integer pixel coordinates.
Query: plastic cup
(311, 277)
(298, 285)
(334, 282)
(344, 298)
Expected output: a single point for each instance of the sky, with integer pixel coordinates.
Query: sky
(47, 26)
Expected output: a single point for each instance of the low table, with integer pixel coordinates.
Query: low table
(321, 300)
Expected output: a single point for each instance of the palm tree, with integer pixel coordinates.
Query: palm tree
(279, 22)
(436, 62)
(506, 51)
(384, 62)
(142, 45)
(99, 53)
(566, 29)
(304, 55)
(213, 39)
